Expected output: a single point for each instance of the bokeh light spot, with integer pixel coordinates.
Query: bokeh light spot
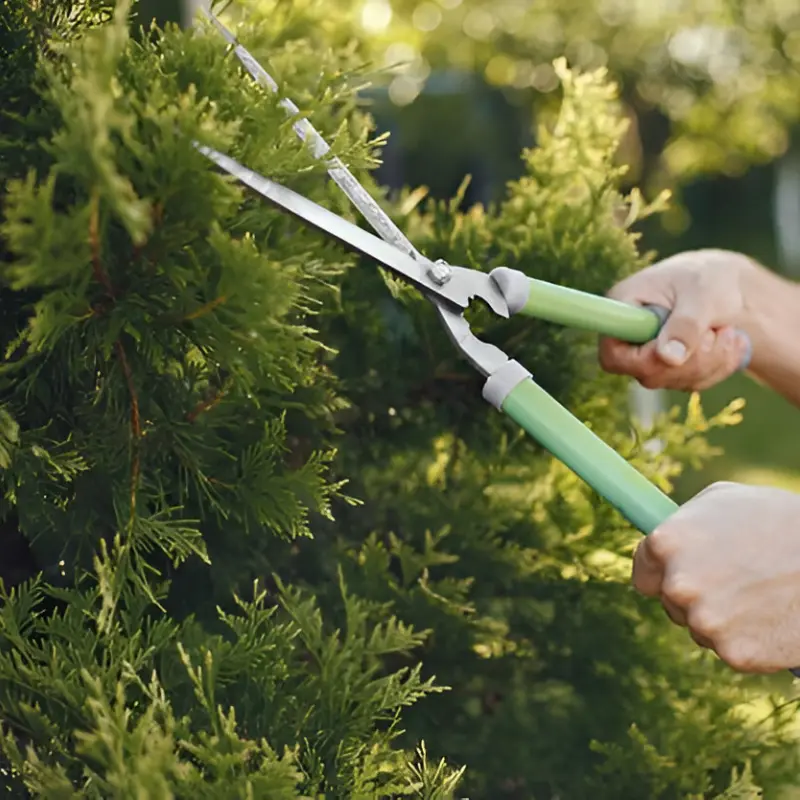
(479, 24)
(399, 54)
(404, 90)
(426, 17)
(500, 70)
(376, 15)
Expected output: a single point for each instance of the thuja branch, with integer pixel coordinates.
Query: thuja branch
(136, 424)
(102, 277)
(213, 399)
(206, 308)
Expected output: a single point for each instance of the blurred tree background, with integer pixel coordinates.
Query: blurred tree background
(712, 89)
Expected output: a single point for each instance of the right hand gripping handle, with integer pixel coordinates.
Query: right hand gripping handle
(642, 503)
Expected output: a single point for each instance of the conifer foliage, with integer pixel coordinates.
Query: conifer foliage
(192, 604)
(159, 365)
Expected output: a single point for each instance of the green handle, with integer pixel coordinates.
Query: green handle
(576, 309)
(641, 502)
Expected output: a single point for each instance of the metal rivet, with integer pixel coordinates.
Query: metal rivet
(439, 271)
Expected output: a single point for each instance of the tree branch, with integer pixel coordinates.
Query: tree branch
(104, 280)
(209, 402)
(101, 276)
(136, 425)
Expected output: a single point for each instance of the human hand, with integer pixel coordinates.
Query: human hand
(698, 346)
(726, 565)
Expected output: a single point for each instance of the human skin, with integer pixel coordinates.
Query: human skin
(726, 565)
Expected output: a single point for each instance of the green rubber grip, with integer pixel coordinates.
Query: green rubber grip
(573, 308)
(642, 503)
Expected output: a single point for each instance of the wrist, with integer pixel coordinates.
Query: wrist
(769, 312)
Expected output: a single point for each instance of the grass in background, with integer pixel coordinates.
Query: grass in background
(763, 449)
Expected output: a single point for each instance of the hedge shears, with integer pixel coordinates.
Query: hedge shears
(509, 386)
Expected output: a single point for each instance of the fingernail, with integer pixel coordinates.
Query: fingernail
(673, 351)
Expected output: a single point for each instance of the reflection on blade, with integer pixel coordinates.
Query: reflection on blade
(464, 285)
(340, 175)
(347, 233)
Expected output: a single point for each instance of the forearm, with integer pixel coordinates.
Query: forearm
(772, 318)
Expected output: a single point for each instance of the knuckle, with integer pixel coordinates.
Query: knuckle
(738, 653)
(651, 381)
(700, 640)
(713, 488)
(644, 578)
(621, 358)
(644, 584)
(649, 375)
(687, 326)
(721, 486)
(660, 543)
(608, 357)
(679, 589)
(674, 612)
(706, 622)
(625, 290)
(716, 368)
(651, 372)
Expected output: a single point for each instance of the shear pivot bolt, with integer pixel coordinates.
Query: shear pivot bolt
(439, 271)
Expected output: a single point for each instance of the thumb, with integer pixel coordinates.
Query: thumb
(684, 329)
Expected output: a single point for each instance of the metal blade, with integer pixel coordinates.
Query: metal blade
(464, 284)
(341, 176)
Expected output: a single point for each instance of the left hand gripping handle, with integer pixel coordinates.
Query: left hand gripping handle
(576, 309)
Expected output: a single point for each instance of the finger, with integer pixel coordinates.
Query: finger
(729, 358)
(698, 366)
(623, 358)
(645, 365)
(718, 356)
(701, 640)
(683, 332)
(641, 363)
(674, 612)
(648, 572)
